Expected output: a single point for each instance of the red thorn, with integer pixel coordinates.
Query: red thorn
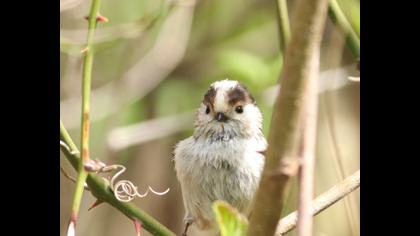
(137, 225)
(99, 18)
(102, 19)
(84, 50)
(95, 204)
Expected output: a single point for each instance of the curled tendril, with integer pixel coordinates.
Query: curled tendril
(125, 190)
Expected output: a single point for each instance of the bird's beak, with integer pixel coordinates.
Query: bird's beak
(220, 116)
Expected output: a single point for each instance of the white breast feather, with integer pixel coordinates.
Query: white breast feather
(201, 169)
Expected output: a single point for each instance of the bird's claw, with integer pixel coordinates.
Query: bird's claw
(187, 225)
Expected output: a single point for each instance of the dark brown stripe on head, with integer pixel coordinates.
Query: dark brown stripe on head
(240, 94)
(209, 96)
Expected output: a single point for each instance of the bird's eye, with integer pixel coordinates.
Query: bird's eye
(239, 109)
(207, 110)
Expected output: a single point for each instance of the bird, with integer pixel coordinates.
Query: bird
(224, 157)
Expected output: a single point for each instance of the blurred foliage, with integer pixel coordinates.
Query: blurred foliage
(248, 68)
(170, 93)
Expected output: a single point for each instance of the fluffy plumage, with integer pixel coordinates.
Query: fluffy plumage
(222, 160)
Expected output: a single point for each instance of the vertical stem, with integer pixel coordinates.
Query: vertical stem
(338, 160)
(338, 17)
(334, 55)
(283, 24)
(100, 189)
(86, 81)
(77, 197)
(308, 148)
(301, 65)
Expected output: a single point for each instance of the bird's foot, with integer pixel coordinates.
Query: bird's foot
(188, 220)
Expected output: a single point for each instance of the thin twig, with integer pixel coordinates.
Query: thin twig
(334, 55)
(283, 24)
(86, 81)
(337, 158)
(101, 190)
(307, 149)
(322, 202)
(338, 17)
(67, 175)
(71, 178)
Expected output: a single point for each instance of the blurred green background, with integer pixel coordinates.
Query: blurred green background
(154, 61)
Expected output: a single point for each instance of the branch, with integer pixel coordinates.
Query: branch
(334, 55)
(86, 81)
(322, 202)
(338, 17)
(100, 189)
(283, 24)
(307, 157)
(301, 66)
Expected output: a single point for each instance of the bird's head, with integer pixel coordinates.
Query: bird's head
(228, 111)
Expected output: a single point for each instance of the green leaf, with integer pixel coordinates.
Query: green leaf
(229, 220)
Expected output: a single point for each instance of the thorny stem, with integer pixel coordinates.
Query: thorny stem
(322, 202)
(101, 190)
(86, 81)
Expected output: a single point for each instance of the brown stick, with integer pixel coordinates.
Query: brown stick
(322, 202)
(308, 147)
(301, 65)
